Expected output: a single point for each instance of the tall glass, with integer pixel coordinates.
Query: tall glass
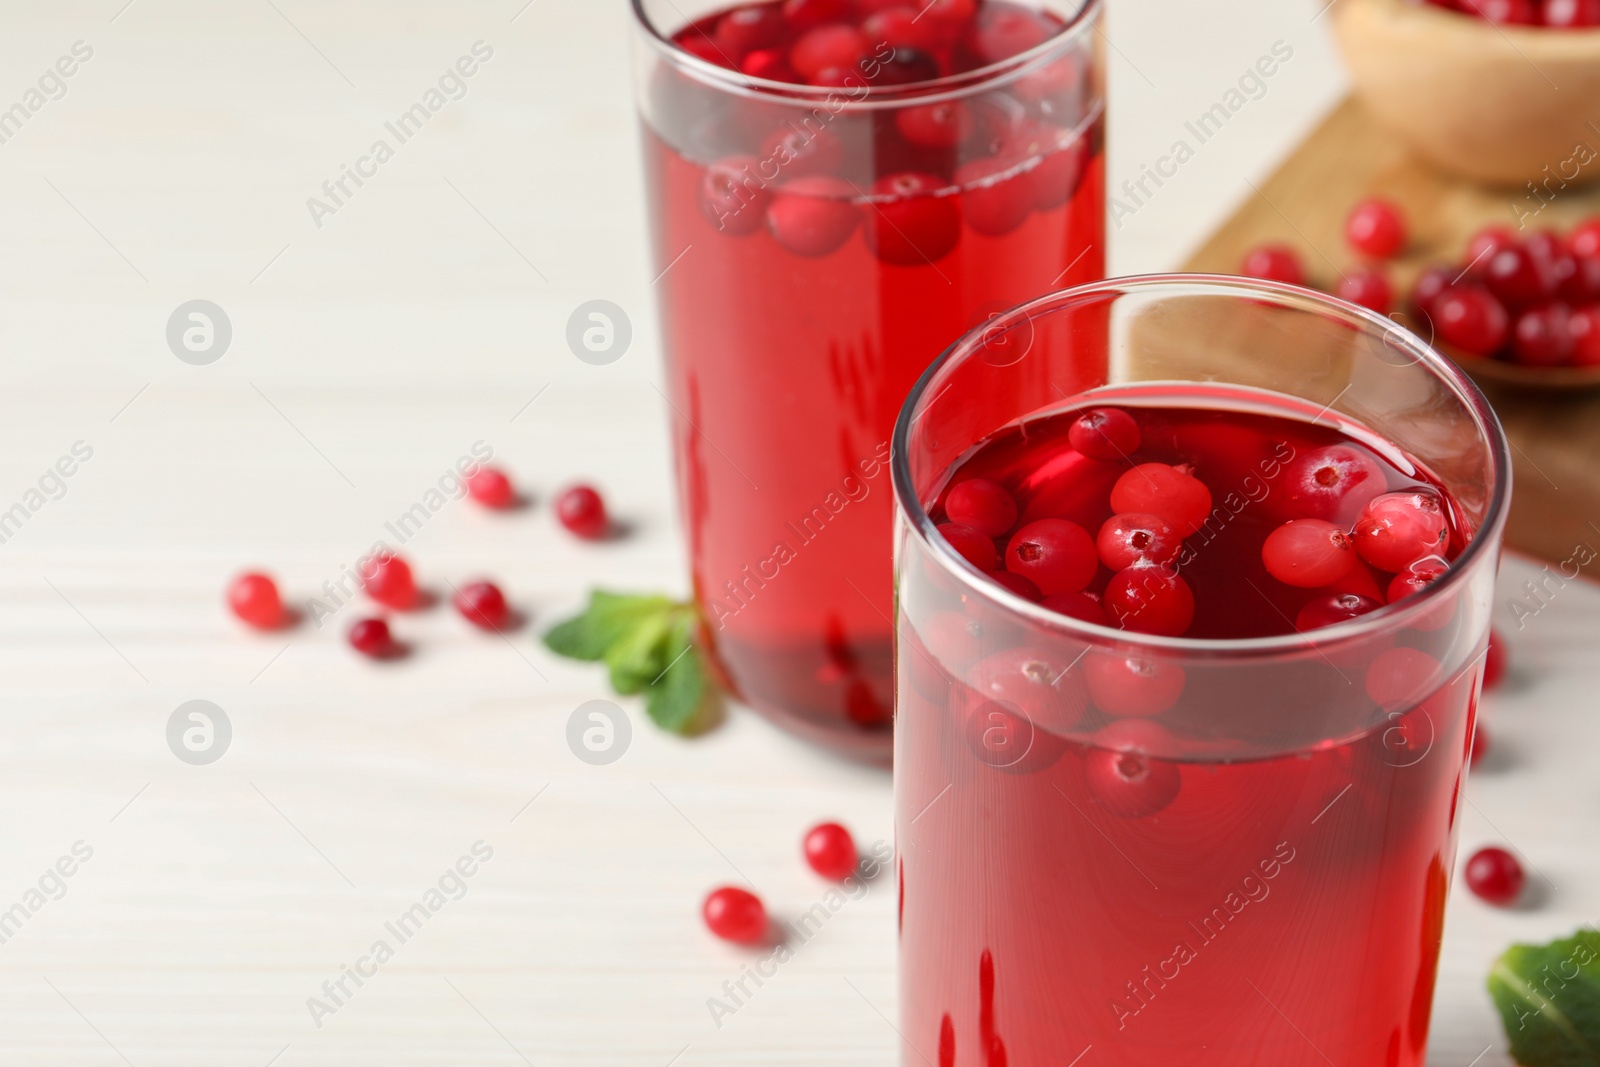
(817, 247)
(1281, 900)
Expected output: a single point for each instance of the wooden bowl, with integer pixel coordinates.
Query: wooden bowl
(1499, 372)
(1498, 104)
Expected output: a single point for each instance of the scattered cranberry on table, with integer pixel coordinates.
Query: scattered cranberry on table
(583, 511)
(387, 579)
(1495, 876)
(737, 915)
(1274, 263)
(371, 637)
(831, 851)
(1368, 288)
(253, 597)
(1376, 228)
(483, 605)
(491, 487)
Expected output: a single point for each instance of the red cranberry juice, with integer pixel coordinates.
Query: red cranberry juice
(816, 257)
(1160, 859)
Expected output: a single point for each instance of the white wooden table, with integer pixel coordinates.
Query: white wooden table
(368, 353)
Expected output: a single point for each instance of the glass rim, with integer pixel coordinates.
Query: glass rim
(1444, 369)
(931, 91)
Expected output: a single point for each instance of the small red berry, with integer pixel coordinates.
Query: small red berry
(1494, 663)
(769, 64)
(994, 197)
(1333, 482)
(828, 46)
(1367, 287)
(799, 151)
(1001, 31)
(1274, 263)
(1130, 685)
(1150, 599)
(1585, 240)
(1417, 576)
(1495, 875)
(949, 12)
(744, 29)
(1376, 228)
(1170, 492)
(1470, 318)
(583, 511)
(1396, 529)
(909, 225)
(1584, 325)
(254, 599)
(1307, 553)
(984, 505)
(1485, 243)
(1505, 12)
(483, 605)
(1019, 585)
(1123, 777)
(1431, 285)
(812, 216)
(371, 637)
(1332, 609)
(942, 125)
(737, 915)
(898, 27)
(1085, 607)
(831, 851)
(902, 66)
(1128, 539)
(1542, 337)
(1057, 555)
(1105, 433)
(803, 14)
(387, 579)
(971, 545)
(1517, 278)
(490, 487)
(731, 196)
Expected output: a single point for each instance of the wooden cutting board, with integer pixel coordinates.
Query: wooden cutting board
(1555, 436)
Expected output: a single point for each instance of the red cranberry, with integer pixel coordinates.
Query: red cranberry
(1542, 337)
(1376, 228)
(1334, 608)
(703, 47)
(732, 195)
(971, 545)
(1057, 159)
(993, 199)
(828, 46)
(744, 29)
(254, 599)
(799, 152)
(1516, 278)
(1130, 685)
(1396, 528)
(1582, 285)
(804, 14)
(1368, 288)
(582, 511)
(1418, 575)
(1480, 745)
(1001, 735)
(1128, 539)
(911, 226)
(1333, 482)
(769, 64)
(983, 505)
(1019, 585)
(1470, 318)
(483, 605)
(1123, 777)
(1431, 284)
(813, 216)
(1170, 492)
(902, 66)
(1105, 433)
(735, 914)
(1000, 31)
(1584, 325)
(949, 12)
(1505, 12)
(831, 851)
(942, 125)
(1585, 239)
(1400, 677)
(1085, 607)
(371, 637)
(898, 27)
(387, 579)
(1485, 243)
(1494, 663)
(1041, 687)
(1495, 875)
(490, 487)
(1274, 263)
(1150, 599)
(1307, 553)
(1057, 555)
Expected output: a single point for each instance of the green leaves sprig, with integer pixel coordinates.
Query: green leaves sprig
(1549, 1001)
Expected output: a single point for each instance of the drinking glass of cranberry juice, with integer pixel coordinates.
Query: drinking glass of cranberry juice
(838, 190)
(1193, 583)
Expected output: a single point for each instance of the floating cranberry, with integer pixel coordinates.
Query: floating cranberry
(1399, 678)
(1542, 337)
(253, 597)
(828, 46)
(1001, 735)
(483, 605)
(1036, 685)
(1132, 685)
(984, 505)
(910, 225)
(582, 510)
(735, 914)
(898, 27)
(769, 64)
(1333, 609)
(1584, 325)
(1418, 575)
(948, 14)
(1085, 607)
(1480, 745)
(1124, 778)
(1398, 528)
(1376, 228)
(1000, 31)
(1057, 555)
(1307, 553)
(1470, 318)
(831, 851)
(971, 545)
(1367, 287)
(490, 487)
(744, 29)
(1495, 876)
(813, 216)
(1494, 661)
(731, 198)
(800, 152)
(371, 637)
(804, 14)
(1274, 263)
(387, 579)
(1516, 278)
(1128, 539)
(1333, 482)
(1019, 585)
(1173, 493)
(1058, 156)
(942, 125)
(993, 201)
(1105, 433)
(902, 66)
(1150, 599)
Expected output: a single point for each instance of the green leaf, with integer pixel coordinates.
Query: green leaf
(674, 700)
(608, 619)
(1549, 1001)
(640, 655)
